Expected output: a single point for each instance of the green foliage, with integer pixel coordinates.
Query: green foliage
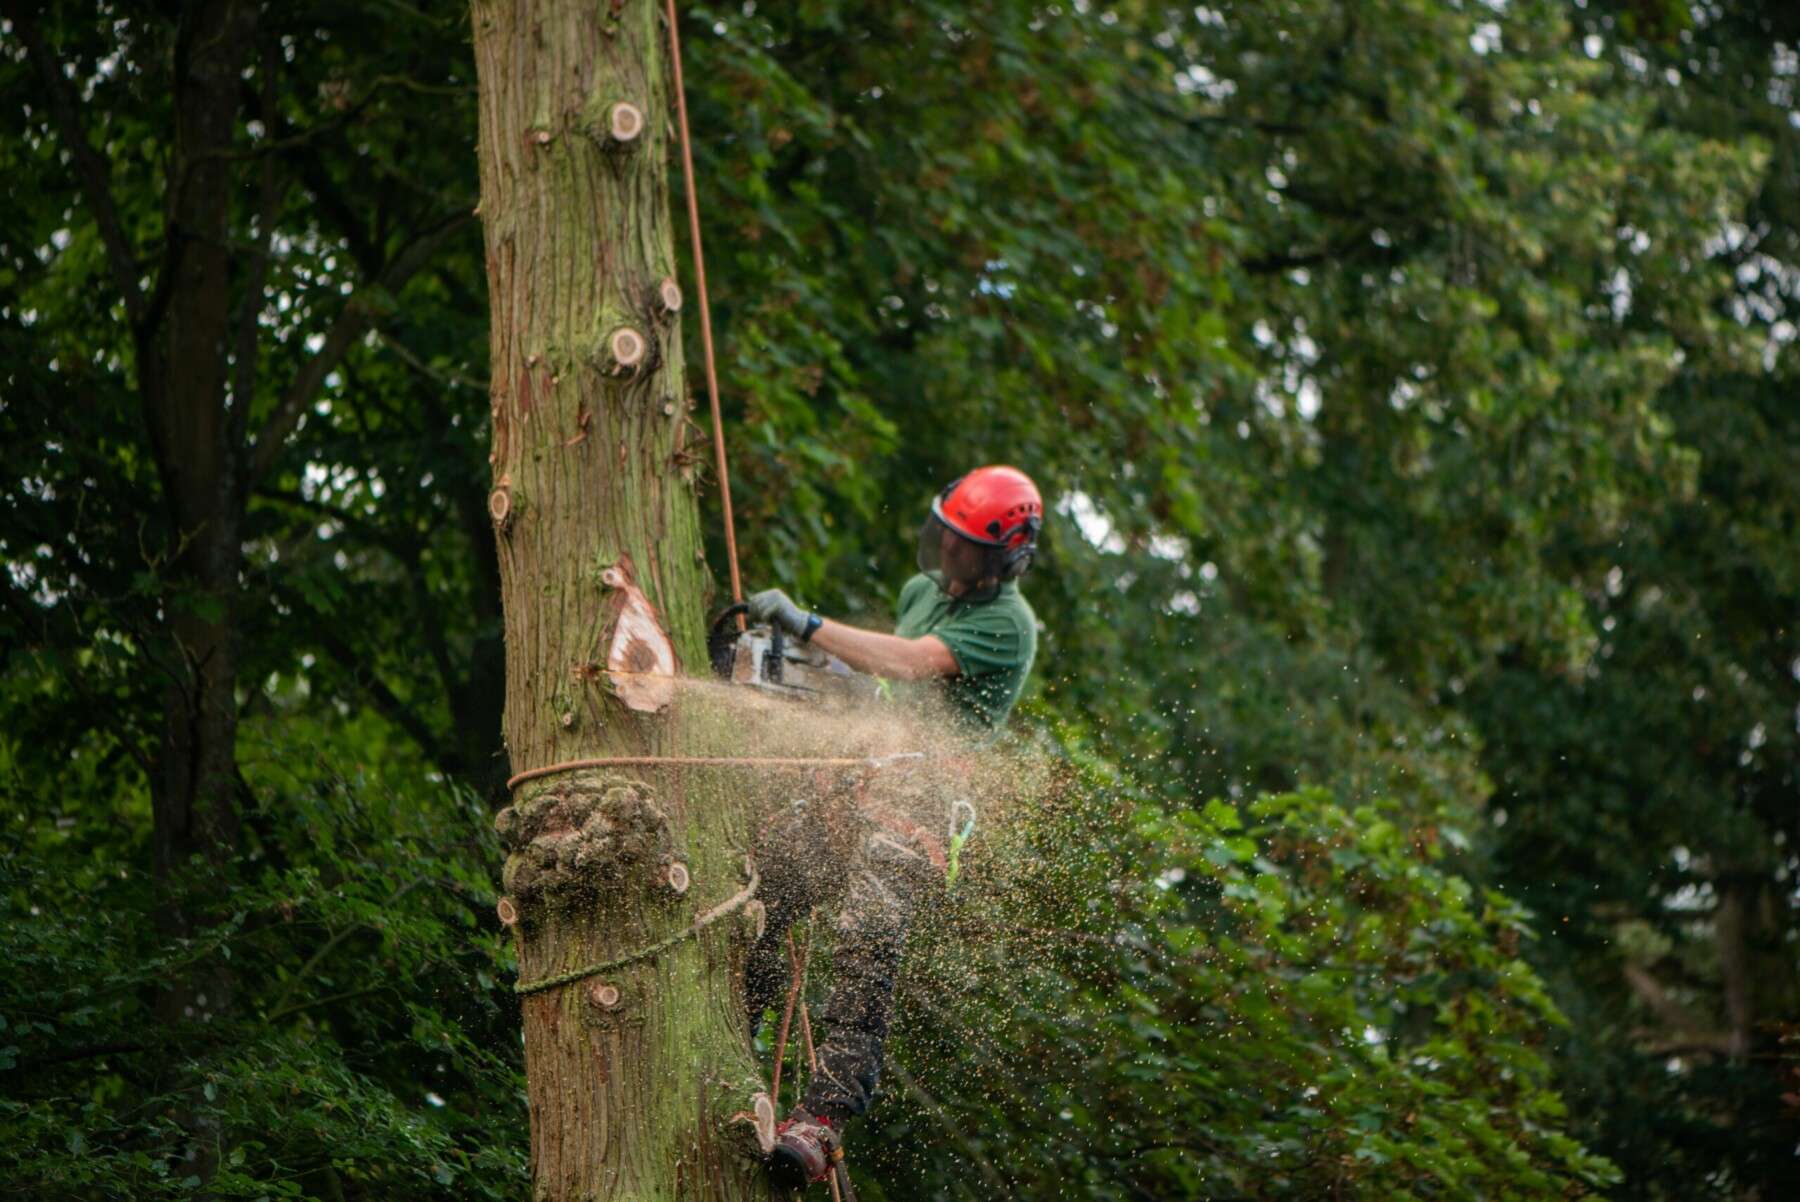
(1298, 1001)
(1412, 383)
(365, 1049)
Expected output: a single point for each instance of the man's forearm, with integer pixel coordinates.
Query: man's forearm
(886, 655)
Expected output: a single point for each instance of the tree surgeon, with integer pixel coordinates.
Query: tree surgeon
(964, 629)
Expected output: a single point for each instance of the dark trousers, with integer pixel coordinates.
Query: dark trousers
(878, 877)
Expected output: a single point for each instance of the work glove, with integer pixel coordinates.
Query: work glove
(775, 608)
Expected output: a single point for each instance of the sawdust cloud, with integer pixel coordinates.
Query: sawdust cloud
(1025, 920)
(917, 759)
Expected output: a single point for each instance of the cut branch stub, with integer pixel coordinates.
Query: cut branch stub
(640, 659)
(624, 123)
(668, 298)
(508, 912)
(500, 507)
(602, 995)
(746, 1116)
(675, 877)
(763, 1115)
(626, 351)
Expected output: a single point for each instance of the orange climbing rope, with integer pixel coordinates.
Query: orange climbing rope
(706, 338)
(796, 983)
(700, 761)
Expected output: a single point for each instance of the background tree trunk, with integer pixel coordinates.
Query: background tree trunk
(638, 1076)
(191, 429)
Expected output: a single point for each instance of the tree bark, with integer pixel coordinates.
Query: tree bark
(641, 1081)
(1731, 930)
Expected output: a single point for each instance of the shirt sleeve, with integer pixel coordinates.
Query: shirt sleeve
(907, 592)
(986, 642)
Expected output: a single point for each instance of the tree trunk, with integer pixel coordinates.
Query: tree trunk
(183, 382)
(191, 431)
(1732, 920)
(641, 1081)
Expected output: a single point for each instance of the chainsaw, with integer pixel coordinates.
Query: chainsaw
(766, 659)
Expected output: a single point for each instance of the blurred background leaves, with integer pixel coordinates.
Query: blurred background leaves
(1413, 384)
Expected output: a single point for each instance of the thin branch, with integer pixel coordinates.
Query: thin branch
(1204, 120)
(982, 1164)
(388, 702)
(243, 389)
(331, 945)
(350, 326)
(450, 378)
(89, 166)
(85, 1052)
(315, 1003)
(284, 137)
(365, 531)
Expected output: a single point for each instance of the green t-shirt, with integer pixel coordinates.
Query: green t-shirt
(993, 639)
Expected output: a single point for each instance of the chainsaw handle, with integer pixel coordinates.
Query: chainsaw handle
(776, 654)
(725, 615)
(721, 640)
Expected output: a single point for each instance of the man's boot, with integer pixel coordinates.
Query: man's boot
(805, 1146)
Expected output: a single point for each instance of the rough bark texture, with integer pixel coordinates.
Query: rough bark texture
(637, 1076)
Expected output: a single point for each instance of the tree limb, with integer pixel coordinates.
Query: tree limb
(1701, 1044)
(449, 379)
(83, 1052)
(1730, 931)
(388, 702)
(1688, 1030)
(89, 166)
(281, 1003)
(350, 326)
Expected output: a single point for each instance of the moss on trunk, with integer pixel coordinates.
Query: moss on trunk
(639, 1076)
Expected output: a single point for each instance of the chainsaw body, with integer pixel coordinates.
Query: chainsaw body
(766, 659)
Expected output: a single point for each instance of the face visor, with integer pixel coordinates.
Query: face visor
(954, 559)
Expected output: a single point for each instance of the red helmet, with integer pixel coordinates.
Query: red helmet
(996, 508)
